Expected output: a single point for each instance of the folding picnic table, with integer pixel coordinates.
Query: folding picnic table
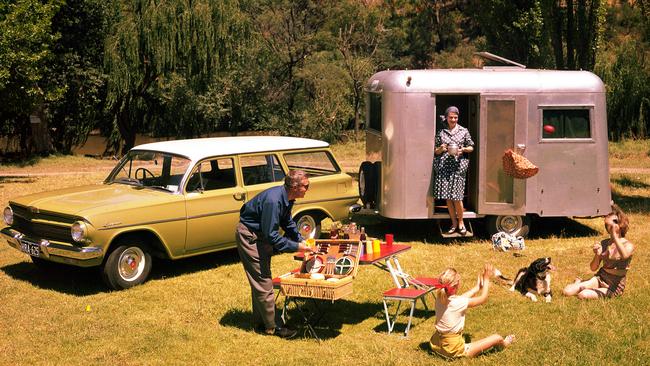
(407, 287)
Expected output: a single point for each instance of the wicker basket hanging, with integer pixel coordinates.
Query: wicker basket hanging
(518, 166)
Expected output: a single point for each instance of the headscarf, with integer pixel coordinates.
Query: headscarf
(451, 109)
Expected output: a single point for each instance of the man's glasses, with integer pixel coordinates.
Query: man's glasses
(306, 186)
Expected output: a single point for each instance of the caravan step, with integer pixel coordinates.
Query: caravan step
(456, 234)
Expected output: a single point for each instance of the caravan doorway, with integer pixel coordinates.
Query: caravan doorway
(469, 108)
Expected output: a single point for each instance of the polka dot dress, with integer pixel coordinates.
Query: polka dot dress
(451, 172)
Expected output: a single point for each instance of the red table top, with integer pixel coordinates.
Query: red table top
(385, 252)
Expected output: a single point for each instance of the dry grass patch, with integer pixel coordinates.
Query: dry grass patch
(630, 154)
(197, 310)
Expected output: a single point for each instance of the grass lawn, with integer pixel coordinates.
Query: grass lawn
(197, 311)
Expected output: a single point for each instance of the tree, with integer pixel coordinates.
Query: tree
(77, 68)
(26, 43)
(291, 32)
(624, 66)
(155, 39)
(544, 33)
(359, 37)
(514, 30)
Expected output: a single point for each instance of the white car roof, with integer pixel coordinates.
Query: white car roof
(197, 149)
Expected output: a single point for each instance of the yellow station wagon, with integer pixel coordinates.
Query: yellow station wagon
(173, 200)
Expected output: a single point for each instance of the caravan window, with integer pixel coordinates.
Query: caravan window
(374, 111)
(565, 123)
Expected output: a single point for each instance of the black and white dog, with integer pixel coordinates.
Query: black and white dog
(532, 280)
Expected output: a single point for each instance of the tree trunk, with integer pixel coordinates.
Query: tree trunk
(125, 127)
(357, 102)
(556, 34)
(583, 35)
(570, 36)
(40, 135)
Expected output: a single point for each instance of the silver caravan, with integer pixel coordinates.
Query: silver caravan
(503, 108)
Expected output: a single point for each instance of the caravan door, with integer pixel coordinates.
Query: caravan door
(502, 126)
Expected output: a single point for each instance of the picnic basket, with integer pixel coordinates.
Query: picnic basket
(517, 166)
(333, 252)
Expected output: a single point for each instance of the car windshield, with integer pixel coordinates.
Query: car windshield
(150, 169)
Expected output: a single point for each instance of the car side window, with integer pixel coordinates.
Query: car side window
(258, 169)
(212, 174)
(316, 163)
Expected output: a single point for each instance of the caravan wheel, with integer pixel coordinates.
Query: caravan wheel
(367, 183)
(511, 224)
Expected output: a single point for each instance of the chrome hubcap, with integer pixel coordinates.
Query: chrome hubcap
(307, 226)
(509, 224)
(131, 264)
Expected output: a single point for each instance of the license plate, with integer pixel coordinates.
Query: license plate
(30, 248)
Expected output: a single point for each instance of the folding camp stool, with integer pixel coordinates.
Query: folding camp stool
(405, 280)
(403, 294)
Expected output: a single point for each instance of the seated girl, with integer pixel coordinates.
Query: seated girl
(447, 341)
(615, 254)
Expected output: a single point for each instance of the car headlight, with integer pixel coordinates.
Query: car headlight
(78, 231)
(8, 215)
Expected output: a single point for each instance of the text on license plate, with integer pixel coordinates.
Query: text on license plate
(30, 248)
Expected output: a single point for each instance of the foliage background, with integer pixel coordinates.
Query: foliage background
(179, 68)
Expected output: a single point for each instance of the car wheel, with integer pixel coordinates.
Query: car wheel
(367, 183)
(511, 224)
(308, 225)
(127, 266)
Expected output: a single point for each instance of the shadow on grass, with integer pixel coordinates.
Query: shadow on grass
(419, 315)
(58, 277)
(87, 281)
(428, 231)
(632, 204)
(564, 227)
(325, 316)
(628, 182)
(17, 179)
(20, 160)
(165, 268)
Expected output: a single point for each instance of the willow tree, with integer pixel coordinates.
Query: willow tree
(158, 39)
(26, 41)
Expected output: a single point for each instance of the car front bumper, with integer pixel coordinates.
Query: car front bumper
(68, 254)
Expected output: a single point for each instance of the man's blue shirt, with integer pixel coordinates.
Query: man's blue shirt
(269, 211)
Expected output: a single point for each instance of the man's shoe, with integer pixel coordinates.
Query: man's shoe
(285, 333)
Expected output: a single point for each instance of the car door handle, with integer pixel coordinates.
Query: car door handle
(239, 196)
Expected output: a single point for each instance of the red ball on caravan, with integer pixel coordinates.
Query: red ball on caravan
(549, 129)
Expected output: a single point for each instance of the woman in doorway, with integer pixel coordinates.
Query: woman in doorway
(451, 163)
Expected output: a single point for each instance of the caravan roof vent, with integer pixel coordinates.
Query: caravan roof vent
(493, 57)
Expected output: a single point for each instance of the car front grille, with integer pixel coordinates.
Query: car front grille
(23, 222)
